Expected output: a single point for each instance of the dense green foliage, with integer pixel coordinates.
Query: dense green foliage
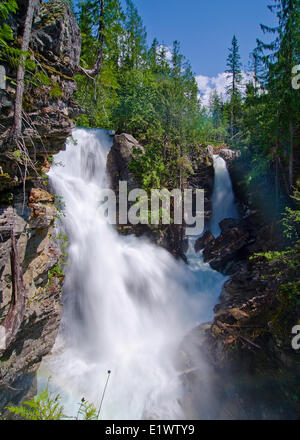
(285, 268)
(6, 35)
(263, 117)
(47, 406)
(234, 88)
(150, 93)
(44, 406)
(8, 51)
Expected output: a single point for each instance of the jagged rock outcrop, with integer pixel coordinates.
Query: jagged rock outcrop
(227, 249)
(26, 204)
(171, 237)
(239, 377)
(56, 35)
(39, 256)
(243, 360)
(121, 153)
(229, 155)
(47, 106)
(238, 240)
(202, 176)
(124, 149)
(204, 241)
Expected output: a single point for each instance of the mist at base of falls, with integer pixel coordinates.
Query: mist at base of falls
(127, 304)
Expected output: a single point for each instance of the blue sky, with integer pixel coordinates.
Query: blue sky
(205, 28)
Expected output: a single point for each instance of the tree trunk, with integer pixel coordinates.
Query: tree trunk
(276, 181)
(17, 125)
(97, 66)
(284, 177)
(291, 164)
(232, 123)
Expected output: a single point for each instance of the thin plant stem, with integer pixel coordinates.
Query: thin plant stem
(103, 394)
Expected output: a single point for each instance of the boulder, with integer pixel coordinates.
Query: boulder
(229, 155)
(56, 32)
(226, 249)
(204, 241)
(229, 223)
(122, 152)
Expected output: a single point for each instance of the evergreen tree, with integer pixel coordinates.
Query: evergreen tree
(100, 31)
(280, 57)
(256, 69)
(233, 90)
(17, 124)
(135, 43)
(215, 108)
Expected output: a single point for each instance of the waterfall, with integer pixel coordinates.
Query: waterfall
(127, 303)
(223, 197)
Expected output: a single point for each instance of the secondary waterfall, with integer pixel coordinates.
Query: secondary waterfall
(223, 197)
(127, 302)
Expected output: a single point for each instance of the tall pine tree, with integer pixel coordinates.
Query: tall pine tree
(280, 57)
(233, 90)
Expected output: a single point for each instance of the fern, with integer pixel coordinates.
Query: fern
(44, 406)
(87, 411)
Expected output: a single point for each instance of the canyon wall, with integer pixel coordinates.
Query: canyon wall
(27, 206)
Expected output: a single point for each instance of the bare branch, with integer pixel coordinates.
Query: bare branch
(91, 73)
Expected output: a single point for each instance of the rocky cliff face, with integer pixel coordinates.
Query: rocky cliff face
(26, 204)
(242, 361)
(48, 106)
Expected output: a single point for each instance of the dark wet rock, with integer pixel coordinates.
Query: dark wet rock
(229, 223)
(245, 284)
(185, 245)
(253, 371)
(234, 364)
(171, 237)
(226, 249)
(238, 239)
(204, 241)
(242, 363)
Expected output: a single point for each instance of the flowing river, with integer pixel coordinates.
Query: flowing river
(127, 304)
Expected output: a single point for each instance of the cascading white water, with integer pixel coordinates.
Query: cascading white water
(223, 197)
(127, 303)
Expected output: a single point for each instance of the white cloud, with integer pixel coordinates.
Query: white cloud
(207, 84)
(168, 51)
